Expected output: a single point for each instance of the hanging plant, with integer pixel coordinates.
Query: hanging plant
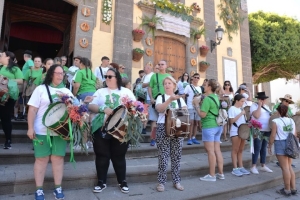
(137, 54)
(196, 33)
(203, 66)
(138, 35)
(107, 11)
(203, 50)
(151, 23)
(229, 14)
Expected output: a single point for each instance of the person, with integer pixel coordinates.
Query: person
(28, 61)
(58, 61)
(122, 71)
(45, 149)
(183, 83)
(10, 70)
(156, 69)
(247, 94)
(190, 92)
(155, 88)
(85, 80)
(106, 147)
(48, 62)
(168, 147)
(236, 117)
(64, 60)
(141, 75)
(170, 71)
(202, 86)
(126, 84)
(281, 127)
(72, 71)
(286, 100)
(102, 69)
(261, 112)
(211, 131)
(179, 79)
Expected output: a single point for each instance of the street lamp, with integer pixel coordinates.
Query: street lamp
(219, 33)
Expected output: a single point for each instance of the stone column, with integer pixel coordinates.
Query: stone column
(1, 14)
(122, 51)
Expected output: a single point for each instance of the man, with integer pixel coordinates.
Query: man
(286, 100)
(64, 62)
(141, 75)
(72, 70)
(28, 61)
(155, 88)
(101, 71)
(170, 71)
(190, 91)
(122, 72)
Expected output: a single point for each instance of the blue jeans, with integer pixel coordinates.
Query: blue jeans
(260, 147)
(83, 95)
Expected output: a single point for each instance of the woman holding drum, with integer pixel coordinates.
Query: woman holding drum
(168, 146)
(45, 149)
(106, 147)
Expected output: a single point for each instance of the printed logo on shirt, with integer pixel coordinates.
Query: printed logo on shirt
(115, 100)
(172, 105)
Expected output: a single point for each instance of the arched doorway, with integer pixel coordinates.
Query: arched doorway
(172, 51)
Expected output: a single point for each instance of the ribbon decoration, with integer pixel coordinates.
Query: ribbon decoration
(72, 160)
(251, 141)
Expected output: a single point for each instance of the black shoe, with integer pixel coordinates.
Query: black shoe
(100, 187)
(294, 192)
(7, 145)
(124, 187)
(283, 192)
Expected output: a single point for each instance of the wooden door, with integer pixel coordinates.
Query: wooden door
(4, 42)
(172, 51)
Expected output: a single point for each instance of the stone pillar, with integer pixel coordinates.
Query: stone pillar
(1, 14)
(210, 27)
(122, 51)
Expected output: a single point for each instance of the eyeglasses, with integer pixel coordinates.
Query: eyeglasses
(59, 73)
(227, 84)
(108, 76)
(171, 71)
(197, 77)
(160, 64)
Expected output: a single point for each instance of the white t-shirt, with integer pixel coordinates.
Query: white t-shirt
(264, 116)
(98, 72)
(172, 105)
(146, 79)
(232, 113)
(73, 70)
(279, 123)
(188, 90)
(40, 100)
(246, 103)
(182, 86)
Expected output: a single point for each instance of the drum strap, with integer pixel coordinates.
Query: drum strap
(48, 91)
(101, 72)
(194, 89)
(234, 124)
(178, 101)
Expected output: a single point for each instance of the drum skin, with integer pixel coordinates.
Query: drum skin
(244, 131)
(247, 111)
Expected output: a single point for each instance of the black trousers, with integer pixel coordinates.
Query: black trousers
(5, 116)
(106, 150)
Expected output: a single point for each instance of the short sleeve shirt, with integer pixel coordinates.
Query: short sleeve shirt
(87, 81)
(154, 84)
(191, 90)
(34, 74)
(232, 113)
(264, 116)
(28, 64)
(208, 106)
(15, 74)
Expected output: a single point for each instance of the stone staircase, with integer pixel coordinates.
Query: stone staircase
(17, 179)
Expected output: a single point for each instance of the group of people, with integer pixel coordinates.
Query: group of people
(161, 92)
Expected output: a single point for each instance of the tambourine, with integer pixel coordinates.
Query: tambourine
(193, 49)
(193, 62)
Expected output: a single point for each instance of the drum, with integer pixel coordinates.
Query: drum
(296, 119)
(247, 111)
(199, 97)
(177, 122)
(273, 116)
(244, 131)
(3, 90)
(56, 119)
(116, 123)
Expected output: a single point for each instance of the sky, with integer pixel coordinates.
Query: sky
(290, 8)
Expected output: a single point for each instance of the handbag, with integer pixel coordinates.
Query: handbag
(222, 116)
(3, 90)
(30, 85)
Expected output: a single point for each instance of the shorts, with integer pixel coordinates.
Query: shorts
(43, 149)
(279, 147)
(153, 114)
(194, 115)
(212, 134)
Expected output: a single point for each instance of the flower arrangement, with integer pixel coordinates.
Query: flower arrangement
(255, 127)
(138, 34)
(107, 11)
(204, 47)
(137, 54)
(135, 108)
(139, 31)
(204, 50)
(196, 7)
(151, 23)
(138, 50)
(203, 65)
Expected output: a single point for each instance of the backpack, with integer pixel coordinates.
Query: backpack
(222, 115)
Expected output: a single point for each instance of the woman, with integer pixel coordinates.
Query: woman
(183, 83)
(246, 93)
(10, 70)
(211, 131)
(281, 127)
(126, 83)
(168, 147)
(85, 80)
(47, 64)
(106, 147)
(122, 72)
(237, 117)
(45, 149)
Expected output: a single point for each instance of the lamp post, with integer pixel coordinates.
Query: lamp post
(219, 33)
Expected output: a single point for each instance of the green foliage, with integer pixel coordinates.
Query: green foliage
(139, 50)
(275, 46)
(196, 32)
(229, 13)
(204, 63)
(151, 23)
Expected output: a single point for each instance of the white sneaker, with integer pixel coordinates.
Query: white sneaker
(266, 169)
(208, 177)
(253, 170)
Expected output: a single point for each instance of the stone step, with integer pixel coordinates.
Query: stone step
(22, 153)
(19, 178)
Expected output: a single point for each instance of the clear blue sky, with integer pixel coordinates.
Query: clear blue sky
(283, 7)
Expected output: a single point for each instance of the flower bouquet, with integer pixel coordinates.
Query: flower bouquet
(203, 50)
(255, 127)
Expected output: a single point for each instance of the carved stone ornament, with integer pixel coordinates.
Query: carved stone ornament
(149, 52)
(84, 26)
(193, 62)
(84, 43)
(192, 73)
(149, 41)
(193, 49)
(86, 11)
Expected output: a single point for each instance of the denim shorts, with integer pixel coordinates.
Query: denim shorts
(279, 147)
(212, 134)
(83, 95)
(194, 115)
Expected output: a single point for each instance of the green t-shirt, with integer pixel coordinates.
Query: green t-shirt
(153, 84)
(86, 84)
(208, 106)
(123, 75)
(66, 69)
(290, 113)
(15, 74)
(28, 64)
(34, 74)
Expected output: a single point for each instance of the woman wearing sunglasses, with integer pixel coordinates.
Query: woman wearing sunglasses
(106, 147)
(183, 83)
(226, 99)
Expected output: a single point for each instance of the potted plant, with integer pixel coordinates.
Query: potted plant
(196, 33)
(151, 23)
(196, 7)
(137, 54)
(138, 34)
(203, 50)
(203, 66)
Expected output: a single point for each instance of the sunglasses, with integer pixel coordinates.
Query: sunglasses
(108, 76)
(227, 84)
(171, 71)
(197, 77)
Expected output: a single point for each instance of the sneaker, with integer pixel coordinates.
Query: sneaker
(266, 169)
(195, 141)
(100, 187)
(7, 145)
(190, 142)
(237, 172)
(284, 192)
(39, 195)
(123, 186)
(294, 192)
(254, 170)
(58, 193)
(89, 144)
(220, 176)
(208, 178)
(152, 143)
(244, 171)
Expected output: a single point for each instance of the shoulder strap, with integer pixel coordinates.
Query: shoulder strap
(48, 91)
(216, 105)
(178, 101)
(163, 98)
(266, 109)
(101, 72)
(157, 82)
(194, 89)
